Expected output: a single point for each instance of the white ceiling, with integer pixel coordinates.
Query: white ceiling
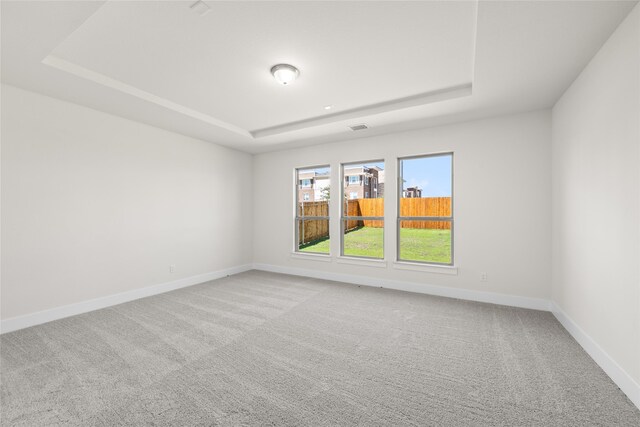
(393, 65)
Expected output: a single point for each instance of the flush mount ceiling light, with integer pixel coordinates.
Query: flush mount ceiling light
(284, 73)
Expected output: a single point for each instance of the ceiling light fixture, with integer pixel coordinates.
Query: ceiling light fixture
(284, 73)
(328, 107)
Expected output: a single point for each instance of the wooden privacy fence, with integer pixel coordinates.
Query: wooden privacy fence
(313, 208)
(427, 206)
(312, 230)
(354, 208)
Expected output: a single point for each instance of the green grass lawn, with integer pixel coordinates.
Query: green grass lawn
(364, 241)
(419, 244)
(319, 246)
(415, 244)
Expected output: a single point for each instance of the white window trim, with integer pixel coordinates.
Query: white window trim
(297, 219)
(368, 262)
(352, 259)
(399, 218)
(425, 267)
(311, 256)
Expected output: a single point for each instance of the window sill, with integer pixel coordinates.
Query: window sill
(380, 263)
(311, 257)
(427, 268)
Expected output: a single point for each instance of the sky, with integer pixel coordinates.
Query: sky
(431, 174)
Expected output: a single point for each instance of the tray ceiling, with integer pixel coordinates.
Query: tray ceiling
(354, 56)
(392, 64)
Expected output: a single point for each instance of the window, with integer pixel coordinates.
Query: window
(312, 218)
(354, 179)
(425, 221)
(362, 219)
(366, 180)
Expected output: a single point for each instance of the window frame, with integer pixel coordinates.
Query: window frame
(297, 217)
(400, 218)
(344, 219)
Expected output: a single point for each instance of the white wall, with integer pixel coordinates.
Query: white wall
(596, 198)
(94, 205)
(502, 203)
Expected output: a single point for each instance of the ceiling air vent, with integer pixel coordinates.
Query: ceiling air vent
(359, 127)
(200, 8)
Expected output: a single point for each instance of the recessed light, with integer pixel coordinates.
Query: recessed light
(328, 107)
(284, 73)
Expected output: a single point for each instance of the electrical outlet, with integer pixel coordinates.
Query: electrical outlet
(483, 276)
(172, 268)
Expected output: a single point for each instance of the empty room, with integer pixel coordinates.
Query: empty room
(320, 213)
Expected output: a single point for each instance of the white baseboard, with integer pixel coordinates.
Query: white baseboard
(421, 288)
(619, 376)
(37, 318)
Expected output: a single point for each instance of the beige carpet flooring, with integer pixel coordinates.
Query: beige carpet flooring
(269, 349)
